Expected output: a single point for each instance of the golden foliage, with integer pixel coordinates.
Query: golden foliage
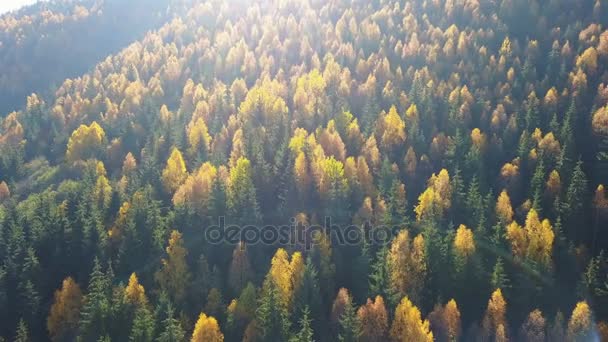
(174, 276)
(135, 293)
(580, 323)
(437, 198)
(374, 320)
(65, 312)
(394, 130)
(600, 121)
(504, 210)
(85, 142)
(495, 317)
(207, 330)
(464, 242)
(534, 240)
(407, 265)
(408, 324)
(197, 190)
(175, 172)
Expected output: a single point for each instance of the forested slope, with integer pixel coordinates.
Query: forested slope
(473, 133)
(43, 44)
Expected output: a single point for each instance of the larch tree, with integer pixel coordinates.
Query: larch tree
(175, 172)
(407, 265)
(408, 324)
(240, 272)
(436, 199)
(85, 142)
(580, 325)
(445, 322)
(464, 242)
(374, 320)
(504, 210)
(62, 322)
(534, 328)
(207, 330)
(494, 323)
(174, 276)
(393, 136)
(135, 293)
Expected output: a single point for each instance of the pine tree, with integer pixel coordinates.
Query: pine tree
(172, 329)
(308, 296)
(305, 334)
(96, 310)
(22, 332)
(271, 315)
(350, 327)
(143, 327)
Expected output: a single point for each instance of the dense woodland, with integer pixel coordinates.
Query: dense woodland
(477, 130)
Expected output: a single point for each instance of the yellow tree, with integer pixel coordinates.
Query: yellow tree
(436, 199)
(286, 274)
(175, 172)
(198, 138)
(445, 322)
(207, 330)
(407, 265)
(408, 324)
(63, 319)
(504, 210)
(495, 322)
(174, 276)
(580, 324)
(534, 240)
(196, 191)
(464, 242)
(85, 142)
(135, 293)
(374, 320)
(394, 130)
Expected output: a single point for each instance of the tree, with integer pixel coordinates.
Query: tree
(96, 310)
(533, 329)
(580, 325)
(175, 172)
(600, 121)
(408, 324)
(464, 242)
(62, 322)
(207, 330)
(85, 142)
(198, 139)
(4, 191)
(534, 241)
(436, 199)
(306, 333)
(394, 131)
(407, 265)
(271, 315)
(445, 322)
(174, 276)
(240, 272)
(350, 327)
(172, 329)
(241, 194)
(504, 210)
(495, 321)
(135, 293)
(143, 327)
(374, 320)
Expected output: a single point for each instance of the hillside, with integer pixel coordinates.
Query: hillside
(299, 170)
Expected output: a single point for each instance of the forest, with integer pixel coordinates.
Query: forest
(304, 170)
